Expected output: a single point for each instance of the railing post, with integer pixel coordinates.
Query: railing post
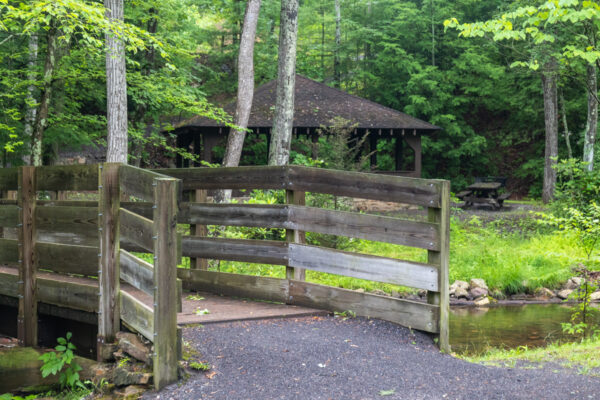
(198, 196)
(298, 198)
(165, 282)
(109, 268)
(27, 318)
(441, 216)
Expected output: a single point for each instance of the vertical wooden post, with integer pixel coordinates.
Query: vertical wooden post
(441, 216)
(27, 318)
(295, 236)
(109, 271)
(165, 282)
(198, 196)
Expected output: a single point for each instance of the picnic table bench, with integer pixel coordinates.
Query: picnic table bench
(483, 193)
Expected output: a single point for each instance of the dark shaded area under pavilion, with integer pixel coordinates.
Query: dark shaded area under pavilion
(316, 106)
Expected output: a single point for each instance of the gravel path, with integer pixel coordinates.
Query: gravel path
(327, 358)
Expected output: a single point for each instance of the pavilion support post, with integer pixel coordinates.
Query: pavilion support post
(109, 203)
(27, 320)
(298, 198)
(441, 217)
(398, 155)
(164, 232)
(414, 142)
(198, 196)
(197, 148)
(373, 150)
(314, 136)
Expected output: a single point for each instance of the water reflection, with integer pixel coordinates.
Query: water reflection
(473, 330)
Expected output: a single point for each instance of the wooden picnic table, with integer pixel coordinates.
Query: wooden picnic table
(483, 193)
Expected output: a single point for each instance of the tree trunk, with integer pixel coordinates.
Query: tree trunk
(551, 123)
(592, 117)
(245, 92)
(283, 120)
(116, 89)
(337, 75)
(567, 133)
(41, 117)
(30, 104)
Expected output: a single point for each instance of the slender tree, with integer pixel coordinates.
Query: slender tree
(30, 104)
(116, 88)
(281, 135)
(337, 75)
(591, 128)
(549, 79)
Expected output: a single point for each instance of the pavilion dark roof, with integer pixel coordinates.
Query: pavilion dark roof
(317, 104)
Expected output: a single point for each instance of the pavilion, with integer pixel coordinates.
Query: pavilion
(316, 106)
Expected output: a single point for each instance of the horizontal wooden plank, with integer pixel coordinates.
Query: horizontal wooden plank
(9, 178)
(408, 313)
(9, 251)
(9, 216)
(262, 177)
(370, 227)
(136, 314)
(137, 272)
(422, 192)
(67, 177)
(253, 287)
(361, 266)
(138, 182)
(142, 208)
(67, 225)
(67, 258)
(68, 203)
(252, 251)
(257, 215)
(136, 229)
(8, 281)
(68, 291)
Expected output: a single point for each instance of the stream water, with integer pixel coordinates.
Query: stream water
(475, 329)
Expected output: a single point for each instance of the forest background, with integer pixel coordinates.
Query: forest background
(396, 53)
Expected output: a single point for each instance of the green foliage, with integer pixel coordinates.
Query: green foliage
(56, 361)
(576, 186)
(200, 366)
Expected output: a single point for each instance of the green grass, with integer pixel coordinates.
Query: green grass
(584, 356)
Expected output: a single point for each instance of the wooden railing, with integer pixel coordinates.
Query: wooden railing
(431, 235)
(65, 254)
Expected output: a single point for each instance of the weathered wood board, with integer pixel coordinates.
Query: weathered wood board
(136, 314)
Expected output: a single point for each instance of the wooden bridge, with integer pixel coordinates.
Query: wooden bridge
(80, 255)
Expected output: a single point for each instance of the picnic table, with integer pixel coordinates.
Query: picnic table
(484, 193)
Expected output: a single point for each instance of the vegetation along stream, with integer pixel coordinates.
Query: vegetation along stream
(473, 330)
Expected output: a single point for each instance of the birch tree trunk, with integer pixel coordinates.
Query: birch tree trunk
(245, 92)
(591, 128)
(549, 77)
(281, 135)
(116, 89)
(337, 75)
(41, 114)
(31, 106)
(567, 133)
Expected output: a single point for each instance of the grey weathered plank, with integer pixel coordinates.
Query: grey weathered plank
(252, 251)
(139, 182)
(68, 291)
(67, 177)
(136, 229)
(404, 312)
(197, 196)
(109, 197)
(137, 272)
(143, 208)
(28, 318)
(9, 251)
(68, 224)
(9, 178)
(370, 227)
(9, 215)
(441, 216)
(295, 235)
(68, 258)
(164, 230)
(137, 315)
(361, 266)
(263, 177)
(254, 287)
(8, 281)
(364, 185)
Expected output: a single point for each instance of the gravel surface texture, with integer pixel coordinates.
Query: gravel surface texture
(329, 358)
